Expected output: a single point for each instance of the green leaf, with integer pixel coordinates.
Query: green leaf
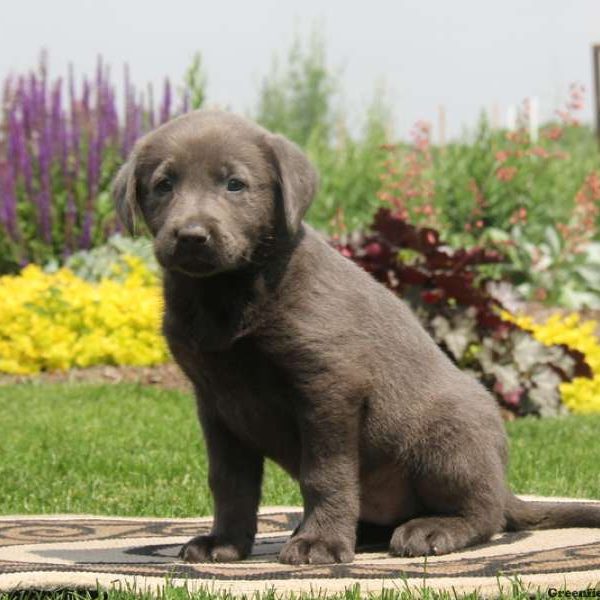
(592, 252)
(590, 273)
(507, 376)
(528, 352)
(577, 300)
(553, 239)
(545, 394)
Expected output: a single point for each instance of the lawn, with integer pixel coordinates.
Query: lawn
(134, 450)
(108, 449)
(516, 592)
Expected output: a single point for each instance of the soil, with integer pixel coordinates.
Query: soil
(167, 376)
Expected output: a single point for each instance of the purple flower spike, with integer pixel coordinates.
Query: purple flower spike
(8, 201)
(85, 241)
(74, 131)
(70, 218)
(112, 114)
(59, 145)
(165, 109)
(16, 142)
(150, 110)
(32, 103)
(56, 113)
(44, 197)
(85, 99)
(19, 130)
(8, 91)
(63, 148)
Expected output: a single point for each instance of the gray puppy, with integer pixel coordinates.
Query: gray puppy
(298, 355)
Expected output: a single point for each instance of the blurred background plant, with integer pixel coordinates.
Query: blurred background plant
(196, 82)
(471, 232)
(301, 100)
(450, 294)
(110, 260)
(60, 145)
(57, 321)
(537, 202)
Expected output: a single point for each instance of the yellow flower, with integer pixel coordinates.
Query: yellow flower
(582, 395)
(58, 321)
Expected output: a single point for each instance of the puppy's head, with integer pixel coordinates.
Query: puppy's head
(214, 189)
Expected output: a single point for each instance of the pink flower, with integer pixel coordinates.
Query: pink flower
(539, 151)
(506, 173)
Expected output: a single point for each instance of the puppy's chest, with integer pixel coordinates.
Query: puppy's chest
(252, 397)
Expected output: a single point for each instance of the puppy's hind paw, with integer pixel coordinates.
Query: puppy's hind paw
(430, 536)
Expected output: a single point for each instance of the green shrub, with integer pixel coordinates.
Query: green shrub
(110, 260)
(498, 179)
(539, 202)
(300, 102)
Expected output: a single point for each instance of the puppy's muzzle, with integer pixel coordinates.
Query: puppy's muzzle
(193, 252)
(192, 237)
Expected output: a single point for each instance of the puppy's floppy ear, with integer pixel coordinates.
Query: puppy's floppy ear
(124, 194)
(297, 178)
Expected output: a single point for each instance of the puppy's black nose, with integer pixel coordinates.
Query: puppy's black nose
(192, 235)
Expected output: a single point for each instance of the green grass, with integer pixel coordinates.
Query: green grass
(134, 450)
(512, 589)
(556, 456)
(108, 449)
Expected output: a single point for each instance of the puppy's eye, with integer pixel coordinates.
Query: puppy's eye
(235, 185)
(164, 186)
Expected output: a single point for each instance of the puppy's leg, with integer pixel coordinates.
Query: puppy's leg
(235, 475)
(466, 502)
(330, 489)
(438, 535)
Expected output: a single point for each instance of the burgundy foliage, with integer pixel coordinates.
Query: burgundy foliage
(442, 274)
(449, 291)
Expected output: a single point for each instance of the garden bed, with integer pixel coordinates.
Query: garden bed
(465, 232)
(167, 376)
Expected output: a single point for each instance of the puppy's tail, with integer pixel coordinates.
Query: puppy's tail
(550, 515)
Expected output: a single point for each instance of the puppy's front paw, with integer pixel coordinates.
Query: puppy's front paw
(317, 550)
(208, 548)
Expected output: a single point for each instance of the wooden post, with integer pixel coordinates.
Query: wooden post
(496, 124)
(596, 62)
(534, 118)
(442, 126)
(511, 118)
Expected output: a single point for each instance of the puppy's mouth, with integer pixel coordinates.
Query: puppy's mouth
(193, 266)
(200, 262)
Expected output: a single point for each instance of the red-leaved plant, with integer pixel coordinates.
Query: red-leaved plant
(461, 309)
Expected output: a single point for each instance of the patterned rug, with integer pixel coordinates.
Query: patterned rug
(77, 552)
